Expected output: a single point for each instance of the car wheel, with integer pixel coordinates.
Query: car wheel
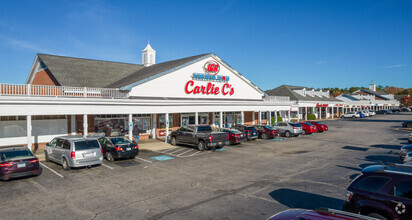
(353, 116)
(304, 132)
(46, 156)
(173, 141)
(288, 134)
(109, 157)
(65, 164)
(376, 215)
(201, 146)
(264, 136)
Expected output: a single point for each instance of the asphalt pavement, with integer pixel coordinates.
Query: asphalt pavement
(252, 180)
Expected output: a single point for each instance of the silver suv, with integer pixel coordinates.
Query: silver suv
(288, 128)
(74, 151)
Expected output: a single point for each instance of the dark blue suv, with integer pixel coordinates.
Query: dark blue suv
(383, 192)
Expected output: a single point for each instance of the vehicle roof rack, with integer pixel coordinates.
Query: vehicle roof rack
(334, 211)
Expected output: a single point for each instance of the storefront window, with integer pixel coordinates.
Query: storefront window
(110, 124)
(162, 120)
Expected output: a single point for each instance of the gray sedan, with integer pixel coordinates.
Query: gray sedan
(288, 128)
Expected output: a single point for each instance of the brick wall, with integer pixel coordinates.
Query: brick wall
(44, 77)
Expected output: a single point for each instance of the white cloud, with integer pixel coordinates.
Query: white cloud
(395, 66)
(24, 44)
(320, 62)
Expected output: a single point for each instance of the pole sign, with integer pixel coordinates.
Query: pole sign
(214, 82)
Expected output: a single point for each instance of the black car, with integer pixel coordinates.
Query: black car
(396, 110)
(201, 136)
(18, 161)
(404, 151)
(250, 131)
(384, 112)
(405, 110)
(407, 124)
(118, 147)
(382, 192)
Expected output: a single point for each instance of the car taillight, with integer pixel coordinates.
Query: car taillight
(118, 148)
(136, 147)
(8, 164)
(236, 135)
(228, 136)
(249, 130)
(294, 128)
(34, 161)
(348, 195)
(73, 154)
(101, 150)
(211, 137)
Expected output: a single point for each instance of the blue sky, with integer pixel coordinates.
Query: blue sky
(309, 43)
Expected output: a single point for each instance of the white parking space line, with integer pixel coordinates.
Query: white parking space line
(194, 153)
(185, 152)
(174, 152)
(143, 159)
(171, 149)
(58, 174)
(107, 166)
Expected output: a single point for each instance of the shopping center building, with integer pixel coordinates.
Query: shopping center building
(66, 95)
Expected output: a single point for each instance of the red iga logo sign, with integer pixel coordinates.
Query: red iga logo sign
(211, 67)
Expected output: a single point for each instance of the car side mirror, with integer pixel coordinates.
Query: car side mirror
(47, 145)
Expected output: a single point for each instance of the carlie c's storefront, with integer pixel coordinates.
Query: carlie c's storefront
(157, 98)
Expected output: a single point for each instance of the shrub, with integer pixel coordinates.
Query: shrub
(335, 116)
(311, 116)
(273, 119)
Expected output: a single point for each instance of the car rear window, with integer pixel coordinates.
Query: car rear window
(295, 124)
(268, 127)
(204, 128)
(234, 131)
(120, 141)
(319, 122)
(307, 123)
(86, 145)
(15, 154)
(371, 184)
(250, 128)
(403, 190)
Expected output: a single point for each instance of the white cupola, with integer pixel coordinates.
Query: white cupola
(148, 56)
(372, 87)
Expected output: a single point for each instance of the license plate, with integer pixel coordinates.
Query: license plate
(20, 165)
(220, 143)
(88, 155)
(128, 148)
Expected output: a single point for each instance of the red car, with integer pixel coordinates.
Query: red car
(308, 128)
(235, 136)
(318, 214)
(266, 131)
(321, 127)
(18, 161)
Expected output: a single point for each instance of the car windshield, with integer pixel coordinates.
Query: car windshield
(204, 128)
(86, 145)
(15, 154)
(120, 141)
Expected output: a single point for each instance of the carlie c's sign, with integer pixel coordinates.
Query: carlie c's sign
(321, 105)
(211, 69)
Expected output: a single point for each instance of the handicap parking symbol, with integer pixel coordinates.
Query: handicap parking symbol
(221, 149)
(162, 158)
(278, 139)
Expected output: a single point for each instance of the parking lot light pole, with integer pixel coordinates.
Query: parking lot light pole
(85, 125)
(29, 128)
(167, 127)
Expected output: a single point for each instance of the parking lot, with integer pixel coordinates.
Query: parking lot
(252, 180)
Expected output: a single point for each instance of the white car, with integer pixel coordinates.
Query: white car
(372, 112)
(408, 158)
(366, 113)
(351, 115)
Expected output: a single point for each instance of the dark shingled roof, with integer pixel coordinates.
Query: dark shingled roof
(287, 90)
(153, 70)
(79, 72)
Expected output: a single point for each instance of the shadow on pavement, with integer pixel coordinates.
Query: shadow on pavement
(382, 159)
(387, 146)
(298, 199)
